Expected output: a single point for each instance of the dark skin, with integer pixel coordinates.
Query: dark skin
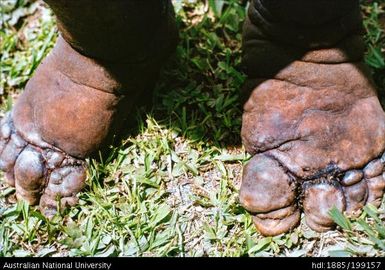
(312, 120)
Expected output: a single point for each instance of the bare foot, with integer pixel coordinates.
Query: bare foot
(315, 128)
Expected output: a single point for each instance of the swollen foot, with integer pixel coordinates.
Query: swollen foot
(63, 116)
(314, 126)
(71, 107)
(317, 133)
(104, 64)
(41, 175)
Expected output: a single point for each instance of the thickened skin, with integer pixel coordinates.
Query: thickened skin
(312, 119)
(82, 93)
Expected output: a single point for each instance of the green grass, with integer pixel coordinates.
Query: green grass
(172, 189)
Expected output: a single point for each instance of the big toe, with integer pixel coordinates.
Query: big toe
(30, 174)
(269, 192)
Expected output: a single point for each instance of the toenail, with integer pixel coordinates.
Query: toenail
(352, 177)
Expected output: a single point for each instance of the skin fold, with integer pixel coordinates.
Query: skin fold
(312, 120)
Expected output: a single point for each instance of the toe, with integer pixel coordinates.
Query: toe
(29, 175)
(270, 193)
(11, 146)
(63, 185)
(40, 174)
(376, 187)
(352, 177)
(374, 168)
(356, 196)
(266, 186)
(278, 221)
(355, 190)
(319, 199)
(374, 174)
(5, 131)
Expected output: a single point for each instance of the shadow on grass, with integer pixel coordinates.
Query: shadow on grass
(201, 88)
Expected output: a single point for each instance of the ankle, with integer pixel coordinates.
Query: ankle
(286, 23)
